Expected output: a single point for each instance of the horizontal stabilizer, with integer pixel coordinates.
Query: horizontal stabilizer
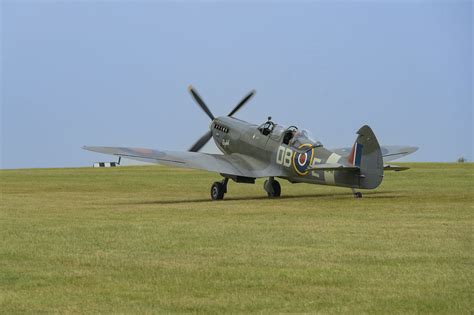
(395, 168)
(389, 152)
(331, 167)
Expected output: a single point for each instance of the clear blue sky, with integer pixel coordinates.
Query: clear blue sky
(116, 73)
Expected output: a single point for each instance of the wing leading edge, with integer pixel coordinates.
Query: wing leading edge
(233, 164)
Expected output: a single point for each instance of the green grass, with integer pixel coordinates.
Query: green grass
(147, 239)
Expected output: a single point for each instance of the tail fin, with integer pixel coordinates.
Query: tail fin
(366, 155)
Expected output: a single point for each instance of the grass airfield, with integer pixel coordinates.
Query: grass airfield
(148, 239)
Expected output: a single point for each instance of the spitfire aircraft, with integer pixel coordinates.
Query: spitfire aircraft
(273, 151)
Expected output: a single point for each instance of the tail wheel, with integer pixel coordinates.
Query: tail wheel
(272, 188)
(358, 195)
(217, 191)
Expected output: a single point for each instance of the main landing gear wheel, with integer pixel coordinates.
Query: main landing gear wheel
(218, 189)
(272, 187)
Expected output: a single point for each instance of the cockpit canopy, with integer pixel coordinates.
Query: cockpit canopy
(291, 136)
(301, 137)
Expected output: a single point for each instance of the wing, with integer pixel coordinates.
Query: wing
(389, 152)
(233, 164)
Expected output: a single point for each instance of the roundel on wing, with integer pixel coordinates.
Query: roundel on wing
(301, 161)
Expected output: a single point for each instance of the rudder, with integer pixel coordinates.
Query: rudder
(367, 155)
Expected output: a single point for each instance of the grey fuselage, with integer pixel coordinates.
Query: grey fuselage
(234, 136)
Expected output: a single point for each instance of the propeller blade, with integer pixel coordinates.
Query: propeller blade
(201, 142)
(242, 102)
(201, 103)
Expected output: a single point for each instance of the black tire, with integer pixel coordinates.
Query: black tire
(358, 195)
(273, 188)
(217, 191)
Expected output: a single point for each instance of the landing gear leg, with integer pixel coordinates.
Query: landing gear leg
(224, 183)
(272, 187)
(218, 189)
(357, 194)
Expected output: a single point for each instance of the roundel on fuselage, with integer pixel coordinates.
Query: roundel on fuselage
(301, 161)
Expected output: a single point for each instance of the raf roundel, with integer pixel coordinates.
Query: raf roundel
(301, 161)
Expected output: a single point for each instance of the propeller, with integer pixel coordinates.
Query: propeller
(201, 142)
(201, 103)
(242, 102)
(208, 135)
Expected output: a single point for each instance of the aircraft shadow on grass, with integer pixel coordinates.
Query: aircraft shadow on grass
(339, 196)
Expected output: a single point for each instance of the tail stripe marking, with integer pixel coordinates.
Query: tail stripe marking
(358, 154)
